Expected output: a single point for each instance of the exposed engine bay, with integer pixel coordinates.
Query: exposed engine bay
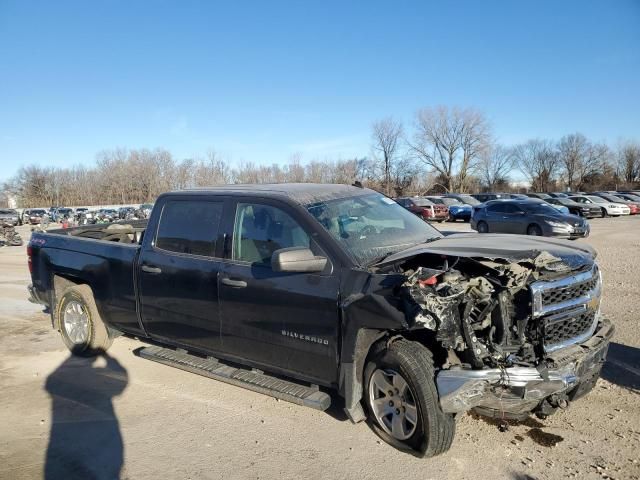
(478, 308)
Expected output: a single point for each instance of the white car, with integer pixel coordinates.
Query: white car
(609, 209)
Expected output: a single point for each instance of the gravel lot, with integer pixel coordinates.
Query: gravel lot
(174, 424)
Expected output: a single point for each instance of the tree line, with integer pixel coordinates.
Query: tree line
(444, 149)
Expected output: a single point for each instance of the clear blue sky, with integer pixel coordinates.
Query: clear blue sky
(260, 81)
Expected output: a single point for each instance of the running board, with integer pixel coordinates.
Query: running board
(307, 396)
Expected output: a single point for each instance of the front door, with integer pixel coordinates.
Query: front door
(288, 321)
(179, 274)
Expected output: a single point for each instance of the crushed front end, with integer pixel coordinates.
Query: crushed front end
(518, 334)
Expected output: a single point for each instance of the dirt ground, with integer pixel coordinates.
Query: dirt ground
(152, 421)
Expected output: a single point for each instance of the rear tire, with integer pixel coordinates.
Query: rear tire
(482, 227)
(79, 323)
(404, 374)
(534, 230)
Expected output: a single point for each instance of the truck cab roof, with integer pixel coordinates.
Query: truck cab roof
(301, 193)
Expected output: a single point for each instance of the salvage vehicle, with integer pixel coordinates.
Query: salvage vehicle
(127, 213)
(9, 216)
(607, 208)
(8, 235)
(79, 212)
(530, 217)
(457, 209)
(296, 290)
(574, 208)
(424, 208)
(144, 211)
(34, 215)
(62, 213)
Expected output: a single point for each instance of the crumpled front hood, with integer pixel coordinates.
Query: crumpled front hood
(513, 248)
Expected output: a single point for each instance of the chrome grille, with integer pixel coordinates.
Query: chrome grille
(567, 307)
(562, 294)
(557, 332)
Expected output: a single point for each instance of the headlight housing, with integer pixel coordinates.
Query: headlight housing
(555, 224)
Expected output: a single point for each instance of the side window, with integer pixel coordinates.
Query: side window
(189, 227)
(496, 208)
(509, 208)
(260, 230)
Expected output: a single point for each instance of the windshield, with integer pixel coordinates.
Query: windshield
(37, 212)
(370, 227)
(450, 201)
(6, 212)
(541, 209)
(469, 200)
(595, 199)
(422, 202)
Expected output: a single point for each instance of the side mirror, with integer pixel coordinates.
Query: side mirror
(296, 259)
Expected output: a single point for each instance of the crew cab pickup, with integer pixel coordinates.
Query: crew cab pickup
(298, 290)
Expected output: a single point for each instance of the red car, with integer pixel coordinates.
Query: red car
(424, 208)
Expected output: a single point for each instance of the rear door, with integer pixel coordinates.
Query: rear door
(496, 218)
(514, 219)
(287, 321)
(178, 274)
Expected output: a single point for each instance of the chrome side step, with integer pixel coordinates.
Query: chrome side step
(307, 396)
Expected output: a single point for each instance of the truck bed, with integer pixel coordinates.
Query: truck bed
(102, 256)
(123, 232)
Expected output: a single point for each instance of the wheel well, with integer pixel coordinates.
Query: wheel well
(533, 225)
(368, 344)
(60, 283)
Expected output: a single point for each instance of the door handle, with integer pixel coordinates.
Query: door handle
(149, 269)
(234, 283)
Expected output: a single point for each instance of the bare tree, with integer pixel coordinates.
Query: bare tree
(629, 162)
(386, 136)
(538, 161)
(495, 165)
(450, 142)
(572, 153)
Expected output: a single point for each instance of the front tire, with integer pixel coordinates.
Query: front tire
(482, 227)
(79, 323)
(604, 213)
(402, 399)
(534, 230)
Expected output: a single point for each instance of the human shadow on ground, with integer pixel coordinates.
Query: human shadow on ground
(85, 440)
(623, 366)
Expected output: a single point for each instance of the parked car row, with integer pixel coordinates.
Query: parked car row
(553, 214)
(81, 215)
(588, 205)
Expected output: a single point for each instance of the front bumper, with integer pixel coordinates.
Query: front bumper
(568, 232)
(460, 214)
(515, 391)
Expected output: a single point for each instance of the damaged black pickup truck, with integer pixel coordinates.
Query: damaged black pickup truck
(295, 290)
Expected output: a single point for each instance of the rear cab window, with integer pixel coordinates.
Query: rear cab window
(189, 227)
